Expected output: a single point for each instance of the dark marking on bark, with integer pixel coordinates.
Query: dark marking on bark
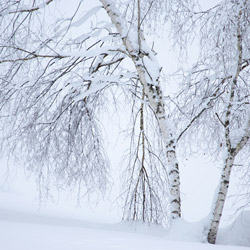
(231, 151)
(175, 201)
(173, 171)
(175, 212)
(170, 151)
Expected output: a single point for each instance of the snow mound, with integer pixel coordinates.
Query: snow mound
(238, 233)
(182, 230)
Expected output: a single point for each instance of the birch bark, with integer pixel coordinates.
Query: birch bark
(149, 72)
(232, 150)
(224, 184)
(221, 197)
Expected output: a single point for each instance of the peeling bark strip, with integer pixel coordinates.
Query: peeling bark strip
(153, 91)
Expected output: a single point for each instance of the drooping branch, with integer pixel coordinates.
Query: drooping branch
(148, 71)
(26, 10)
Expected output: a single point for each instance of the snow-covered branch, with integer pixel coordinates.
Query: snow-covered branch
(149, 73)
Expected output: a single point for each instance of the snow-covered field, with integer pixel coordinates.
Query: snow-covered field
(22, 227)
(64, 226)
(26, 231)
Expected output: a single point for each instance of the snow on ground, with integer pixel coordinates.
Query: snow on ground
(25, 226)
(21, 231)
(238, 233)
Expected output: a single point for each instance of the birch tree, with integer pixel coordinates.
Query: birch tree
(148, 72)
(218, 93)
(56, 79)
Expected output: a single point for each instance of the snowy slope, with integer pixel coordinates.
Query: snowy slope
(238, 233)
(27, 231)
(25, 227)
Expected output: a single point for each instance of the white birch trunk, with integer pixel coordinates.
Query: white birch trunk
(220, 200)
(149, 72)
(224, 183)
(232, 150)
